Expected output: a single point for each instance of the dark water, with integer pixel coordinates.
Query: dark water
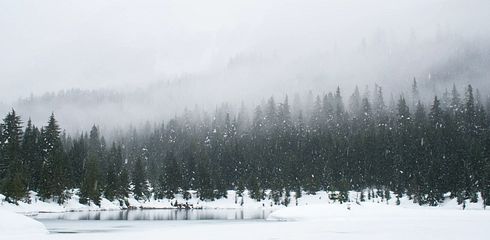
(160, 215)
(128, 220)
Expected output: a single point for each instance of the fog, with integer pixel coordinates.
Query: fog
(114, 63)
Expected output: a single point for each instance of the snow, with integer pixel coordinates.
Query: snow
(231, 202)
(17, 226)
(315, 217)
(72, 204)
(379, 221)
(316, 221)
(38, 206)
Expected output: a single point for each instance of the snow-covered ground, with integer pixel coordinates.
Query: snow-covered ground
(72, 204)
(315, 217)
(231, 202)
(325, 221)
(17, 226)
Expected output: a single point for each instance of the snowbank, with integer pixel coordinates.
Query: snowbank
(317, 221)
(38, 206)
(309, 217)
(17, 226)
(311, 212)
(233, 201)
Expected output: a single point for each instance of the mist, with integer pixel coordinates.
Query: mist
(115, 63)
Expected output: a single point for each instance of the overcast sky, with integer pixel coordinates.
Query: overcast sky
(51, 45)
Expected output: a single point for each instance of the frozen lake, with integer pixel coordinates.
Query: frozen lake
(321, 221)
(126, 220)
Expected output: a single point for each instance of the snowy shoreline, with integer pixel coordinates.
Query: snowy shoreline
(17, 226)
(72, 205)
(312, 215)
(231, 202)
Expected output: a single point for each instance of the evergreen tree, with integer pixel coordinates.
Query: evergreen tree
(91, 185)
(455, 101)
(355, 102)
(432, 186)
(404, 143)
(32, 155)
(124, 187)
(415, 94)
(90, 190)
(204, 185)
(53, 170)
(139, 181)
(418, 154)
(114, 171)
(171, 177)
(14, 181)
(77, 156)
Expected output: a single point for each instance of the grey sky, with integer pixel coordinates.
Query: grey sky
(52, 45)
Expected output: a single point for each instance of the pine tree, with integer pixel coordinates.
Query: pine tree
(32, 155)
(404, 143)
(204, 185)
(170, 179)
(469, 111)
(379, 106)
(113, 174)
(78, 158)
(14, 181)
(96, 150)
(124, 187)
(415, 94)
(433, 168)
(422, 155)
(91, 185)
(418, 165)
(139, 181)
(339, 107)
(90, 190)
(455, 101)
(53, 170)
(256, 192)
(355, 102)
(472, 156)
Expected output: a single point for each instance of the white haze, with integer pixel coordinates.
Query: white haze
(158, 57)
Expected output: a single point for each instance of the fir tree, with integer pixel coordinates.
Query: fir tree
(90, 190)
(139, 181)
(415, 94)
(113, 174)
(14, 181)
(171, 177)
(204, 185)
(32, 155)
(417, 154)
(53, 170)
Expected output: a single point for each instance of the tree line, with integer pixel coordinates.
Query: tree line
(405, 146)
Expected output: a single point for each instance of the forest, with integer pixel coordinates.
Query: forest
(407, 146)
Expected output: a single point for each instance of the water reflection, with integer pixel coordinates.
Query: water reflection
(161, 214)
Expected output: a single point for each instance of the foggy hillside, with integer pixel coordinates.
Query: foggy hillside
(114, 64)
(250, 78)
